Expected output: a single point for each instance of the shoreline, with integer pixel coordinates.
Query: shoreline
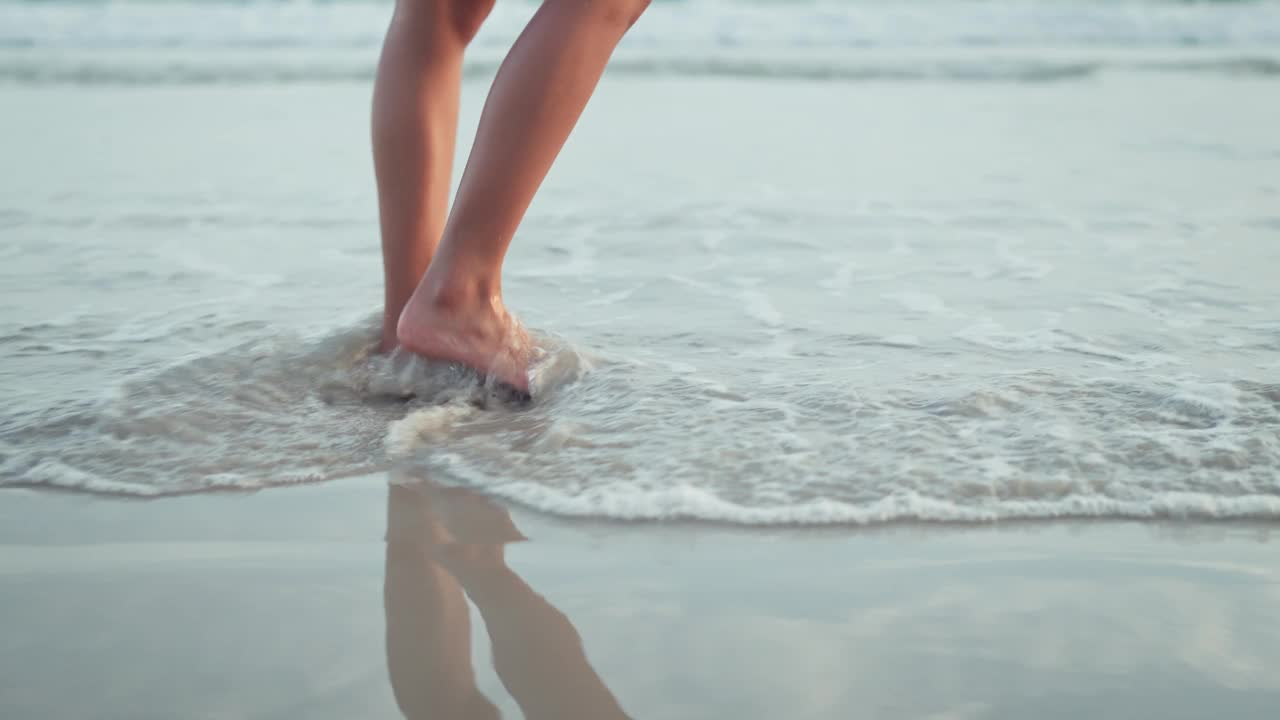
(1261, 523)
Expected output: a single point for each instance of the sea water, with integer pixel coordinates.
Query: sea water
(802, 262)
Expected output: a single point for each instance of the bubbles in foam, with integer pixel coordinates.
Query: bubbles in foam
(421, 426)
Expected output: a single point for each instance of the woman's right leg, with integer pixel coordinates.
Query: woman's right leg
(415, 124)
(456, 313)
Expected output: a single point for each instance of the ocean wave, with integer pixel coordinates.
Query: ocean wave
(724, 24)
(191, 43)
(103, 71)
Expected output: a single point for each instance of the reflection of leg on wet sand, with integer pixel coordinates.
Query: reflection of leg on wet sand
(428, 623)
(536, 650)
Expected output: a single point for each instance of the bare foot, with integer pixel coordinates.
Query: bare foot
(388, 340)
(480, 335)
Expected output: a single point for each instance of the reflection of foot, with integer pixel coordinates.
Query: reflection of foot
(410, 520)
(470, 518)
(480, 335)
(470, 563)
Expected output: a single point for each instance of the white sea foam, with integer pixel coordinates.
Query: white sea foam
(694, 503)
(423, 426)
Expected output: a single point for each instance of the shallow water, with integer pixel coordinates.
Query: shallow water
(943, 291)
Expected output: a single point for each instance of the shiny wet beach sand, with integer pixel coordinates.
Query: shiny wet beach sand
(288, 603)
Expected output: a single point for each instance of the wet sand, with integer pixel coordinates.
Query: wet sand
(289, 603)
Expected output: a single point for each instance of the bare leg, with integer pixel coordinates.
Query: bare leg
(415, 123)
(457, 313)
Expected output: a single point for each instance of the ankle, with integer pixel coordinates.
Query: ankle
(450, 292)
